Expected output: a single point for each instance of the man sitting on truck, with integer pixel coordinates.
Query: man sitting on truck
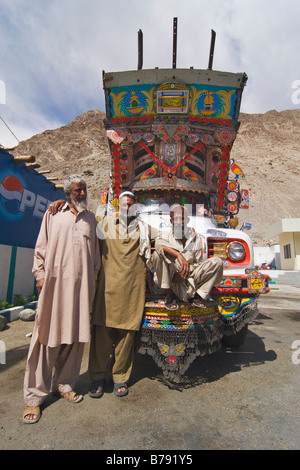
(178, 265)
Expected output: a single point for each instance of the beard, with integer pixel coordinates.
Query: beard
(79, 206)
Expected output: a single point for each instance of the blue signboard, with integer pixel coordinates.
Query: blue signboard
(24, 198)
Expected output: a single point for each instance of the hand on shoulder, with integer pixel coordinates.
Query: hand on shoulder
(56, 206)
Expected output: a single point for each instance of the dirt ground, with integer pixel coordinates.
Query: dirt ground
(245, 398)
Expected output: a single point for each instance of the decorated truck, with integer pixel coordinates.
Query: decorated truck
(170, 133)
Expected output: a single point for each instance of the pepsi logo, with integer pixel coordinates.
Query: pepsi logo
(11, 190)
(16, 199)
(11, 187)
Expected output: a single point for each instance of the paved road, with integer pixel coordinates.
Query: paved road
(246, 398)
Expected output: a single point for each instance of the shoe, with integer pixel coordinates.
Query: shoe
(71, 396)
(120, 394)
(98, 386)
(171, 302)
(31, 410)
(198, 302)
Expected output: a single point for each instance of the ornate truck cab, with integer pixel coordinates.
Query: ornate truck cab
(170, 133)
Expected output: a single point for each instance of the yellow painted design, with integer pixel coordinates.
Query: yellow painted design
(180, 311)
(229, 306)
(175, 350)
(119, 110)
(223, 112)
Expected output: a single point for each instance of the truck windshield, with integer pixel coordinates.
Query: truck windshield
(149, 202)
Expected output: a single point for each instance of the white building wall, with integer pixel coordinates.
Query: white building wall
(268, 255)
(287, 238)
(23, 281)
(297, 250)
(5, 255)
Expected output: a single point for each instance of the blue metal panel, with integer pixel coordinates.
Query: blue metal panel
(24, 198)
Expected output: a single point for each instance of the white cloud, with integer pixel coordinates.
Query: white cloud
(54, 52)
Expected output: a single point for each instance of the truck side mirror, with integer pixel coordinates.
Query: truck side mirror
(246, 226)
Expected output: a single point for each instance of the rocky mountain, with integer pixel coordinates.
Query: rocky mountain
(267, 149)
(79, 147)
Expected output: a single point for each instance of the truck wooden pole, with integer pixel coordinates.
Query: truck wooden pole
(140, 49)
(174, 42)
(212, 48)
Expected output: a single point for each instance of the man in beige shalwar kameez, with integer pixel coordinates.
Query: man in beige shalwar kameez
(66, 264)
(120, 297)
(178, 265)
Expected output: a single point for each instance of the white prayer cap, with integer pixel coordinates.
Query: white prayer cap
(127, 193)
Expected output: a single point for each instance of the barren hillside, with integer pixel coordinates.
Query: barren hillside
(267, 148)
(79, 147)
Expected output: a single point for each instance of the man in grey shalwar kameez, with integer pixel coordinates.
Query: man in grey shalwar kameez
(66, 264)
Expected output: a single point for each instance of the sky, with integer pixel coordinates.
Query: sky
(53, 52)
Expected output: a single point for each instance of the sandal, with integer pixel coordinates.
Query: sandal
(71, 396)
(123, 393)
(199, 302)
(171, 303)
(98, 387)
(31, 410)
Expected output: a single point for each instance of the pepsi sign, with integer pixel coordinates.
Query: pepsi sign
(24, 198)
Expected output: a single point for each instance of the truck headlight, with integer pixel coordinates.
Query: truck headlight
(236, 251)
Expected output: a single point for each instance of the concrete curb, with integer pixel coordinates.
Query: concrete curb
(12, 314)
